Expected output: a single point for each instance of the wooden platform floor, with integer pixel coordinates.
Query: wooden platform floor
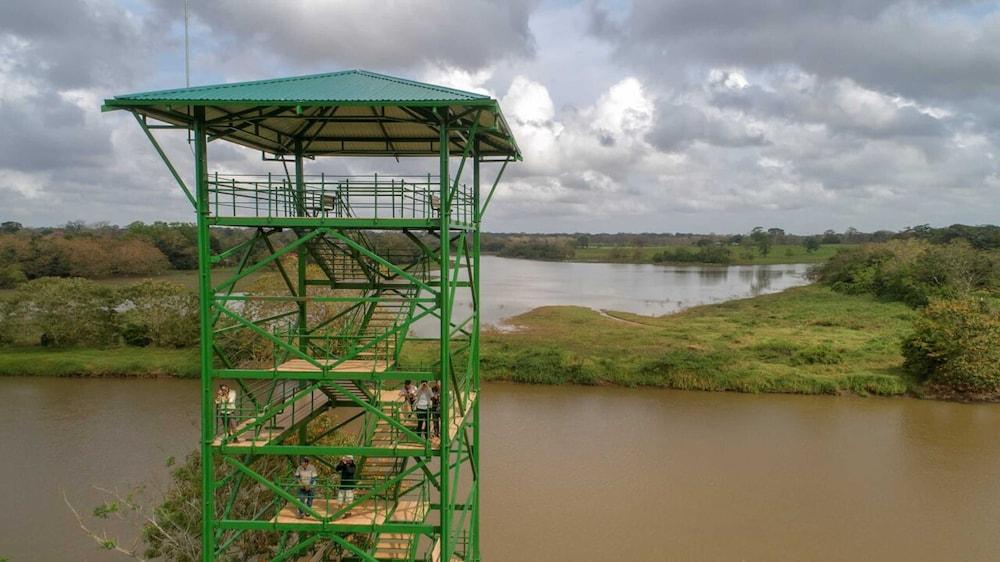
(349, 366)
(367, 513)
(388, 396)
(282, 421)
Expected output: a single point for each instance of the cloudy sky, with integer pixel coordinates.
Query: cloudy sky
(651, 115)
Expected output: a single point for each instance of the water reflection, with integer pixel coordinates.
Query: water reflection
(511, 287)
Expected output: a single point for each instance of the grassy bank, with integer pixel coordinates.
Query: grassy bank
(806, 340)
(780, 253)
(112, 362)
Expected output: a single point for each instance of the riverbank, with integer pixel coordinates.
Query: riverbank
(805, 340)
(143, 362)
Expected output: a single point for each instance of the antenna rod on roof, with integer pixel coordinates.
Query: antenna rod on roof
(187, 65)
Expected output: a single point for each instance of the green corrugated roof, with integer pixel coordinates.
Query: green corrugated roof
(350, 113)
(349, 86)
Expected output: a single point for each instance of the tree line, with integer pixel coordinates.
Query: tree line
(101, 250)
(953, 276)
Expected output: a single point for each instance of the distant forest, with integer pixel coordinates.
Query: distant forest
(101, 250)
(715, 248)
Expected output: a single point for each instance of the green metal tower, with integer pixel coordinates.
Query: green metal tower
(309, 314)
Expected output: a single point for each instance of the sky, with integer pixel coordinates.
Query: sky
(642, 116)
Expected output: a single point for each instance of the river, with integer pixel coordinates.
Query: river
(513, 286)
(577, 473)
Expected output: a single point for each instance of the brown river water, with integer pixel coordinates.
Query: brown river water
(575, 473)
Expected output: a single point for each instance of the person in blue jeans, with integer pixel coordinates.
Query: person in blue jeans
(305, 477)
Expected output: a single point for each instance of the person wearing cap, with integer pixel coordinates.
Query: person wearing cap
(305, 477)
(347, 470)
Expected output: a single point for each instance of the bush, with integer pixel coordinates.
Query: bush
(705, 254)
(955, 346)
(11, 276)
(159, 313)
(535, 249)
(62, 312)
(913, 271)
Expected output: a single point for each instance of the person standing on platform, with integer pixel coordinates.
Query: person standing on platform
(305, 477)
(225, 404)
(422, 405)
(347, 470)
(436, 408)
(407, 394)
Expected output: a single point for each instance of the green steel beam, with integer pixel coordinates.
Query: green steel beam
(205, 331)
(163, 156)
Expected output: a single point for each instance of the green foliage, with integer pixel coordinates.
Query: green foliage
(762, 240)
(983, 237)
(913, 271)
(122, 361)
(955, 346)
(705, 254)
(61, 312)
(159, 313)
(811, 244)
(538, 249)
(11, 276)
(177, 241)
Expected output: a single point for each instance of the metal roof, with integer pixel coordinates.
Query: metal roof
(348, 86)
(350, 113)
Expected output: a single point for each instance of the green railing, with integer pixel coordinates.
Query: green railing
(358, 196)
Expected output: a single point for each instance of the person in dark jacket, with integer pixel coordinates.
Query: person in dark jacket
(436, 408)
(348, 471)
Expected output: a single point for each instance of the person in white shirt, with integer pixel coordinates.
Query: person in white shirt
(422, 405)
(305, 477)
(225, 404)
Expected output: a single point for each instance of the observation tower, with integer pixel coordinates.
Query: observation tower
(311, 314)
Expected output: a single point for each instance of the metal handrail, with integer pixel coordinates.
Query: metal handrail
(352, 196)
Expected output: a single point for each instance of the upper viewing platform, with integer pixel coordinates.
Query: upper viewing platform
(349, 113)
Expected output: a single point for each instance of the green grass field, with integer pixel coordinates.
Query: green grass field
(780, 253)
(806, 340)
(111, 362)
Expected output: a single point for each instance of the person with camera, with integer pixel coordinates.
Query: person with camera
(348, 471)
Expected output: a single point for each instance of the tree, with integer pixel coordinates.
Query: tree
(761, 240)
(831, 237)
(777, 235)
(10, 227)
(811, 243)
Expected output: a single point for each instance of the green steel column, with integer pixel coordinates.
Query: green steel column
(302, 321)
(300, 211)
(443, 291)
(205, 295)
(477, 220)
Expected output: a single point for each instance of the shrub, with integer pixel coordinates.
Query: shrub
(159, 313)
(539, 249)
(955, 345)
(913, 271)
(11, 276)
(69, 311)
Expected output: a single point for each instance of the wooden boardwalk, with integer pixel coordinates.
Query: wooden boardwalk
(249, 437)
(349, 366)
(366, 513)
